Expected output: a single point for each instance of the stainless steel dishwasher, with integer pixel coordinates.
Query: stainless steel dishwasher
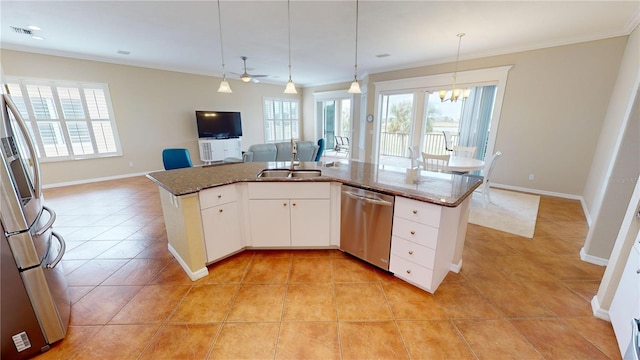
(365, 225)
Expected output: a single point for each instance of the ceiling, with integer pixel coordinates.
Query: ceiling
(184, 35)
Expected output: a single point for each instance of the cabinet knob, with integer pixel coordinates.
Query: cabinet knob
(410, 252)
(415, 211)
(412, 232)
(294, 204)
(219, 196)
(284, 204)
(220, 210)
(638, 271)
(408, 271)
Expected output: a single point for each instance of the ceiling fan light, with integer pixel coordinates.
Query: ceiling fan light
(355, 88)
(224, 87)
(246, 78)
(290, 88)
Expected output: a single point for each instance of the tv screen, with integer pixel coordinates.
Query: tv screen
(219, 124)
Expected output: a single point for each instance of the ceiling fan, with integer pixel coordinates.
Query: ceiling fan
(246, 77)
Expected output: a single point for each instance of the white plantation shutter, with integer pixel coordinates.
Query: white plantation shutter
(67, 121)
(281, 119)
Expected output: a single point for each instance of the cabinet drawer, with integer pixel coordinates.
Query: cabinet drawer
(217, 196)
(410, 271)
(289, 190)
(418, 211)
(413, 231)
(413, 252)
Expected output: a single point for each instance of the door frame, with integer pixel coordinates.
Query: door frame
(481, 77)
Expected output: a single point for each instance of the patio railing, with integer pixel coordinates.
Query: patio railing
(397, 144)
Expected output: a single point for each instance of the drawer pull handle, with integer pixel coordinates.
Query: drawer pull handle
(415, 211)
(220, 210)
(408, 271)
(413, 232)
(410, 252)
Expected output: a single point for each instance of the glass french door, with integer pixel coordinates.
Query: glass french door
(335, 120)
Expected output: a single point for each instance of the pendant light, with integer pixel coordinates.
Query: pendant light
(355, 87)
(224, 85)
(291, 88)
(455, 93)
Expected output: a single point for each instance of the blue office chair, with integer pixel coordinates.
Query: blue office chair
(320, 149)
(176, 159)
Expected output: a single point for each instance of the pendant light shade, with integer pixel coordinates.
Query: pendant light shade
(290, 88)
(224, 85)
(355, 86)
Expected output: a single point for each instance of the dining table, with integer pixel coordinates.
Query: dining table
(461, 164)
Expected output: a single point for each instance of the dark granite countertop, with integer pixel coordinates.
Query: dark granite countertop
(437, 188)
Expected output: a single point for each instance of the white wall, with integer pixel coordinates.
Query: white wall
(154, 109)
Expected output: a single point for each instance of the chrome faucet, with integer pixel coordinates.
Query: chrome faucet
(294, 152)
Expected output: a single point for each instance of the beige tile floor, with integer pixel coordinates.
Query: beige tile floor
(515, 298)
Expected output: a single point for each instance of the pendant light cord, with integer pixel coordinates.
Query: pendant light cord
(356, 64)
(289, 22)
(221, 46)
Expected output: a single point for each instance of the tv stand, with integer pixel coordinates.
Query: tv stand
(216, 150)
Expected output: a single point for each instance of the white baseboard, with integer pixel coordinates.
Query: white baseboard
(537, 191)
(88, 181)
(199, 274)
(593, 259)
(599, 312)
(455, 267)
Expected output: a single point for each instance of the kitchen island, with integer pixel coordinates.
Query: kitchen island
(213, 212)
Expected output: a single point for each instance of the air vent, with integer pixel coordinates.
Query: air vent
(22, 31)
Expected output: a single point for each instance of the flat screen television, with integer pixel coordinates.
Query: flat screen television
(218, 124)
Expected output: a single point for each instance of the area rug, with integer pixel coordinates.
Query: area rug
(509, 211)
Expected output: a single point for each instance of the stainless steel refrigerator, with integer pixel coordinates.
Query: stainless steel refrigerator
(34, 297)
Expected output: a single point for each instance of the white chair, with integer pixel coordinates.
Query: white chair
(464, 151)
(448, 140)
(486, 195)
(414, 153)
(432, 162)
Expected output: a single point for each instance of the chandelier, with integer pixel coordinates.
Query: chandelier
(455, 92)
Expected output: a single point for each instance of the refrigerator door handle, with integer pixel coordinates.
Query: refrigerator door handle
(49, 223)
(27, 137)
(63, 247)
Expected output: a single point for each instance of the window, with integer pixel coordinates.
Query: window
(67, 121)
(281, 120)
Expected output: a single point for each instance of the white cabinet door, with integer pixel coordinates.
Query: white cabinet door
(310, 222)
(270, 225)
(626, 302)
(221, 228)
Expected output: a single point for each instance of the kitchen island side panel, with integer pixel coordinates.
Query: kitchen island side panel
(184, 232)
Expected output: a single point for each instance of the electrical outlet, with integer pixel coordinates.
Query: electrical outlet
(130, 163)
(532, 177)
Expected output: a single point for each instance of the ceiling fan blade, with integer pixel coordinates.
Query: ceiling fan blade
(254, 80)
(257, 76)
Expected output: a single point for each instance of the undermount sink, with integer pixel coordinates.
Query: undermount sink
(285, 173)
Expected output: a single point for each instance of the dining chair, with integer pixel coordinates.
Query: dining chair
(486, 194)
(176, 158)
(464, 151)
(414, 153)
(432, 162)
(448, 140)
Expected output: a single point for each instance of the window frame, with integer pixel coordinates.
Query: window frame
(65, 125)
(294, 134)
